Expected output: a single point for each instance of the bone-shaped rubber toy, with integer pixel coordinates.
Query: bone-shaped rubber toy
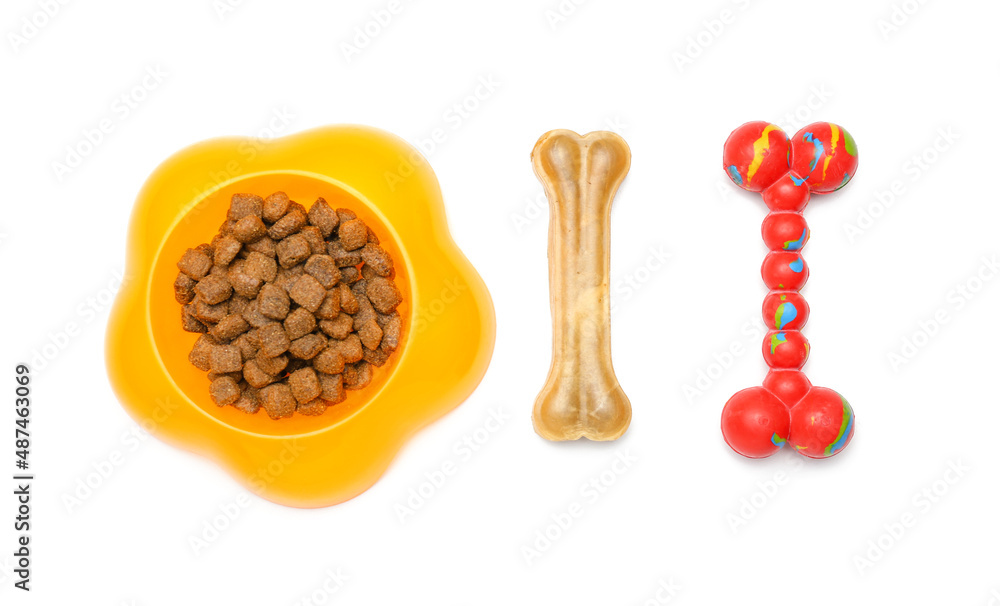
(821, 158)
(581, 396)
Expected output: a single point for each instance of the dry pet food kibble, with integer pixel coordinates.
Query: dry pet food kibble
(293, 306)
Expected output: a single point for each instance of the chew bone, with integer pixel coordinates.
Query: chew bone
(581, 397)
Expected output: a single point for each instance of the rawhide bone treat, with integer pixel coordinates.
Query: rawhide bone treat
(581, 397)
(294, 306)
(759, 157)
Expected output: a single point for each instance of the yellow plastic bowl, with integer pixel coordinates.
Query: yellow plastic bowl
(448, 320)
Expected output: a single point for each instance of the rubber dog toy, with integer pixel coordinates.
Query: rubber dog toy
(581, 397)
(759, 157)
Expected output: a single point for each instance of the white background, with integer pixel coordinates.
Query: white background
(686, 512)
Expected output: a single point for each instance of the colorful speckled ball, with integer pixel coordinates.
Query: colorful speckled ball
(785, 349)
(825, 155)
(822, 424)
(785, 311)
(783, 270)
(755, 423)
(789, 193)
(789, 385)
(784, 231)
(756, 155)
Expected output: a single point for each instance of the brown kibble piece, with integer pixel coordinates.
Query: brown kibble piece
(312, 409)
(376, 259)
(329, 361)
(292, 222)
(307, 347)
(248, 343)
(263, 245)
(237, 303)
(273, 302)
(230, 327)
(349, 275)
(209, 314)
(376, 357)
(315, 239)
(243, 205)
(213, 289)
(195, 263)
(225, 358)
(351, 348)
(323, 269)
(251, 313)
(260, 266)
(342, 257)
(224, 390)
(249, 401)
(357, 376)
(273, 340)
(365, 310)
(293, 250)
(201, 353)
(226, 249)
(339, 327)
(189, 322)
(348, 302)
(332, 388)
(370, 334)
(391, 326)
(249, 228)
(278, 401)
(307, 292)
(304, 384)
(275, 206)
(272, 366)
(299, 323)
(184, 288)
(346, 214)
(353, 234)
(287, 277)
(255, 375)
(384, 295)
(243, 284)
(323, 217)
(330, 307)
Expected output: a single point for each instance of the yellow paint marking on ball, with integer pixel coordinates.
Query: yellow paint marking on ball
(760, 146)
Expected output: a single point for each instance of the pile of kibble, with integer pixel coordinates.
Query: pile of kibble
(294, 306)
